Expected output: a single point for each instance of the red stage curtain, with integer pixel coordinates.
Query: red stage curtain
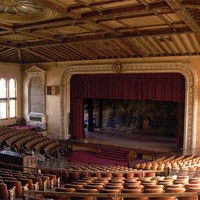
(137, 86)
(163, 87)
(76, 118)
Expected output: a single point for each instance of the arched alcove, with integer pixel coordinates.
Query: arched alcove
(36, 97)
(190, 119)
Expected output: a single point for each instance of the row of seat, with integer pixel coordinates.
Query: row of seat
(18, 181)
(180, 164)
(10, 140)
(9, 136)
(127, 180)
(52, 181)
(80, 173)
(5, 129)
(20, 144)
(5, 136)
(27, 140)
(130, 186)
(50, 148)
(181, 184)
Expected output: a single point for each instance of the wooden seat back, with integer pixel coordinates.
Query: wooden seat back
(17, 184)
(39, 181)
(4, 194)
(25, 181)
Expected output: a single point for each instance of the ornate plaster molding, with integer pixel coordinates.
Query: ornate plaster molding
(35, 71)
(16, 10)
(185, 69)
(20, 7)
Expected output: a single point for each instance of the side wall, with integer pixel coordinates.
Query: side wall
(8, 71)
(53, 76)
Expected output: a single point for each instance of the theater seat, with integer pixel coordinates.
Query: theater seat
(98, 187)
(174, 190)
(38, 180)
(6, 194)
(53, 180)
(46, 180)
(133, 191)
(19, 189)
(84, 190)
(108, 191)
(156, 190)
(30, 183)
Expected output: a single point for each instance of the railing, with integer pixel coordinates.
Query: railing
(113, 196)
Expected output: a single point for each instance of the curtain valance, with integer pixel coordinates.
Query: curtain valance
(138, 86)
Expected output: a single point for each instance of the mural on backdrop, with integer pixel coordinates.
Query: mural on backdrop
(149, 117)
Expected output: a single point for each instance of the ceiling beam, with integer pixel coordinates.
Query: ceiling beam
(39, 55)
(182, 12)
(37, 35)
(8, 46)
(108, 36)
(19, 56)
(110, 13)
(52, 6)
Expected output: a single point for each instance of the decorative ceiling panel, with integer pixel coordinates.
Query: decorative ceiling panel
(34, 31)
(67, 30)
(16, 38)
(144, 21)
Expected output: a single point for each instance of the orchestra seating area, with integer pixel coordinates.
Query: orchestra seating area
(175, 177)
(89, 182)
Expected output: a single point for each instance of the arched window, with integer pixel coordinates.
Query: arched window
(12, 98)
(8, 98)
(3, 99)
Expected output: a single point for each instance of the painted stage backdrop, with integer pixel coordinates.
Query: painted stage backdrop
(148, 117)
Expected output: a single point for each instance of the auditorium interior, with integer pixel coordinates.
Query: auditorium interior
(99, 99)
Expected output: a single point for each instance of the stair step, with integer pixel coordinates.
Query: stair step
(113, 153)
(113, 150)
(112, 158)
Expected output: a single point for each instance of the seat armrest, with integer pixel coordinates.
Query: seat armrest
(11, 192)
(58, 182)
(51, 184)
(25, 187)
(45, 185)
(36, 186)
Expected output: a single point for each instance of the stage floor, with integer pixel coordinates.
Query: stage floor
(132, 141)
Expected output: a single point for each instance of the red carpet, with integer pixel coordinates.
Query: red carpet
(24, 127)
(84, 157)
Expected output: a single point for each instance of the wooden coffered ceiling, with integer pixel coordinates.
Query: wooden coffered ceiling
(35, 31)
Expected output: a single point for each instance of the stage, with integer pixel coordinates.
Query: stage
(146, 145)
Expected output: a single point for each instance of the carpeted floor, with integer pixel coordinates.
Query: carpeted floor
(85, 157)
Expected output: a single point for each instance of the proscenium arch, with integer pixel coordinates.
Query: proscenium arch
(190, 115)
